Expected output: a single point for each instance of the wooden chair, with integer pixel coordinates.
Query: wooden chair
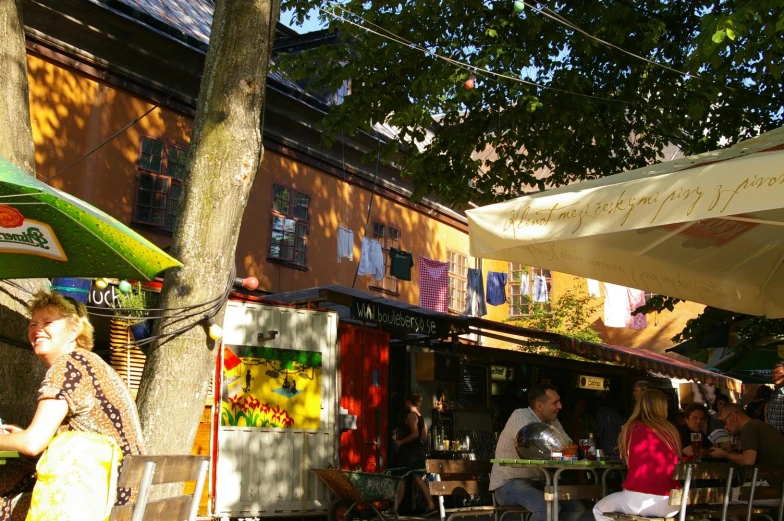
(462, 477)
(142, 472)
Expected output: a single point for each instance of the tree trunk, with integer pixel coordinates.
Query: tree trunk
(20, 371)
(226, 150)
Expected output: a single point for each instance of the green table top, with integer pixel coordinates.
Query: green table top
(558, 463)
(5, 454)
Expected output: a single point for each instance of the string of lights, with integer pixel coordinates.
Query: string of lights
(490, 74)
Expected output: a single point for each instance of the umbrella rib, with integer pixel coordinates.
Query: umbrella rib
(665, 238)
(9, 196)
(772, 273)
(103, 241)
(750, 220)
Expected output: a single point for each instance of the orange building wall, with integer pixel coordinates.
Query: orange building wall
(72, 114)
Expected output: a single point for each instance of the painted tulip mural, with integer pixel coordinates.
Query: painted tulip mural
(267, 387)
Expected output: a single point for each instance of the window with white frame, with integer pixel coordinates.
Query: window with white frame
(458, 280)
(522, 280)
(160, 171)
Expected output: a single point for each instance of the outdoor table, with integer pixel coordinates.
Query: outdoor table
(7, 454)
(552, 470)
(451, 454)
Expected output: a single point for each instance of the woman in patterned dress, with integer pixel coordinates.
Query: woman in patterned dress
(80, 392)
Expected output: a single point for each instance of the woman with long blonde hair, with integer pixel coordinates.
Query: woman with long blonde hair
(651, 447)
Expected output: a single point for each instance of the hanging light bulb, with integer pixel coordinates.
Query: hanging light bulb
(101, 283)
(250, 283)
(470, 82)
(125, 286)
(519, 6)
(213, 329)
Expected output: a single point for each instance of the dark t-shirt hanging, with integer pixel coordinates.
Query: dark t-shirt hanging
(400, 264)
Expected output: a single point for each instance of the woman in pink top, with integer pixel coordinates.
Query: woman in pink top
(650, 445)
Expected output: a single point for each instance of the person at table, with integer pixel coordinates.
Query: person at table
(758, 406)
(525, 487)
(774, 414)
(639, 388)
(696, 417)
(80, 392)
(650, 446)
(608, 425)
(411, 453)
(719, 403)
(759, 442)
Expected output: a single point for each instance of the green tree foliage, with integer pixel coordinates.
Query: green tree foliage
(568, 315)
(597, 110)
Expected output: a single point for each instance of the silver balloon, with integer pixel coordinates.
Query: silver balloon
(538, 441)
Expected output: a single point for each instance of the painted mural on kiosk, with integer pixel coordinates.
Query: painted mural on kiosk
(271, 388)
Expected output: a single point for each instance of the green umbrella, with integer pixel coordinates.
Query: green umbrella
(47, 233)
(750, 364)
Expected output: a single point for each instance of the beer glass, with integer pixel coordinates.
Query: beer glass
(734, 444)
(696, 445)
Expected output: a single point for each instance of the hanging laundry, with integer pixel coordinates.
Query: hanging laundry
(371, 259)
(593, 288)
(496, 288)
(541, 293)
(525, 284)
(400, 263)
(637, 299)
(434, 284)
(345, 243)
(617, 312)
(475, 299)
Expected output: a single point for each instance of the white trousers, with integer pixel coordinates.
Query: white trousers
(634, 503)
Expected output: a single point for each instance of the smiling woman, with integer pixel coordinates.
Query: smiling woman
(84, 411)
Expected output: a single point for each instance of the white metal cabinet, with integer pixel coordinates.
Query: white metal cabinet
(265, 471)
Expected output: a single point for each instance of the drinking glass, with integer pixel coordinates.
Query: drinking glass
(696, 445)
(585, 446)
(734, 444)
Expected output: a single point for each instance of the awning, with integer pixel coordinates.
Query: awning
(413, 323)
(635, 358)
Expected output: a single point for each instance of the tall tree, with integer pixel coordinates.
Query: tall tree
(20, 371)
(507, 102)
(226, 150)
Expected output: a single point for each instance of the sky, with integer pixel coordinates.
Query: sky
(312, 24)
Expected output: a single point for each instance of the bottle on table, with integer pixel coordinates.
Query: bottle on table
(591, 454)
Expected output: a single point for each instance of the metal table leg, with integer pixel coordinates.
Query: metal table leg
(548, 481)
(441, 511)
(556, 477)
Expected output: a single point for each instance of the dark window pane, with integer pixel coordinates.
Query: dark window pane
(145, 197)
(300, 244)
(289, 226)
(287, 253)
(300, 258)
(161, 184)
(302, 230)
(157, 148)
(146, 144)
(155, 164)
(146, 181)
(144, 161)
(142, 213)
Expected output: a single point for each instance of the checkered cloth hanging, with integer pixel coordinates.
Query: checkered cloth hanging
(434, 284)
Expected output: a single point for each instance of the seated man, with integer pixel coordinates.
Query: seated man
(760, 443)
(696, 420)
(525, 487)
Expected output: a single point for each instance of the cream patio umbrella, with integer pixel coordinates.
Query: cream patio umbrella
(706, 228)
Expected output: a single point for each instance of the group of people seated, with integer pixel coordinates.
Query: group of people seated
(648, 443)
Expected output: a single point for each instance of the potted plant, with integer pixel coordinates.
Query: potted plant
(131, 308)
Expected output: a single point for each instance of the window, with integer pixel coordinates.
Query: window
(159, 183)
(289, 230)
(521, 287)
(389, 237)
(458, 280)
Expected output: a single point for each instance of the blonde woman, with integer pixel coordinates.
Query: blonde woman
(651, 447)
(80, 393)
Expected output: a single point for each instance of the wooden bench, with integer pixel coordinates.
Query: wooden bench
(464, 477)
(142, 472)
